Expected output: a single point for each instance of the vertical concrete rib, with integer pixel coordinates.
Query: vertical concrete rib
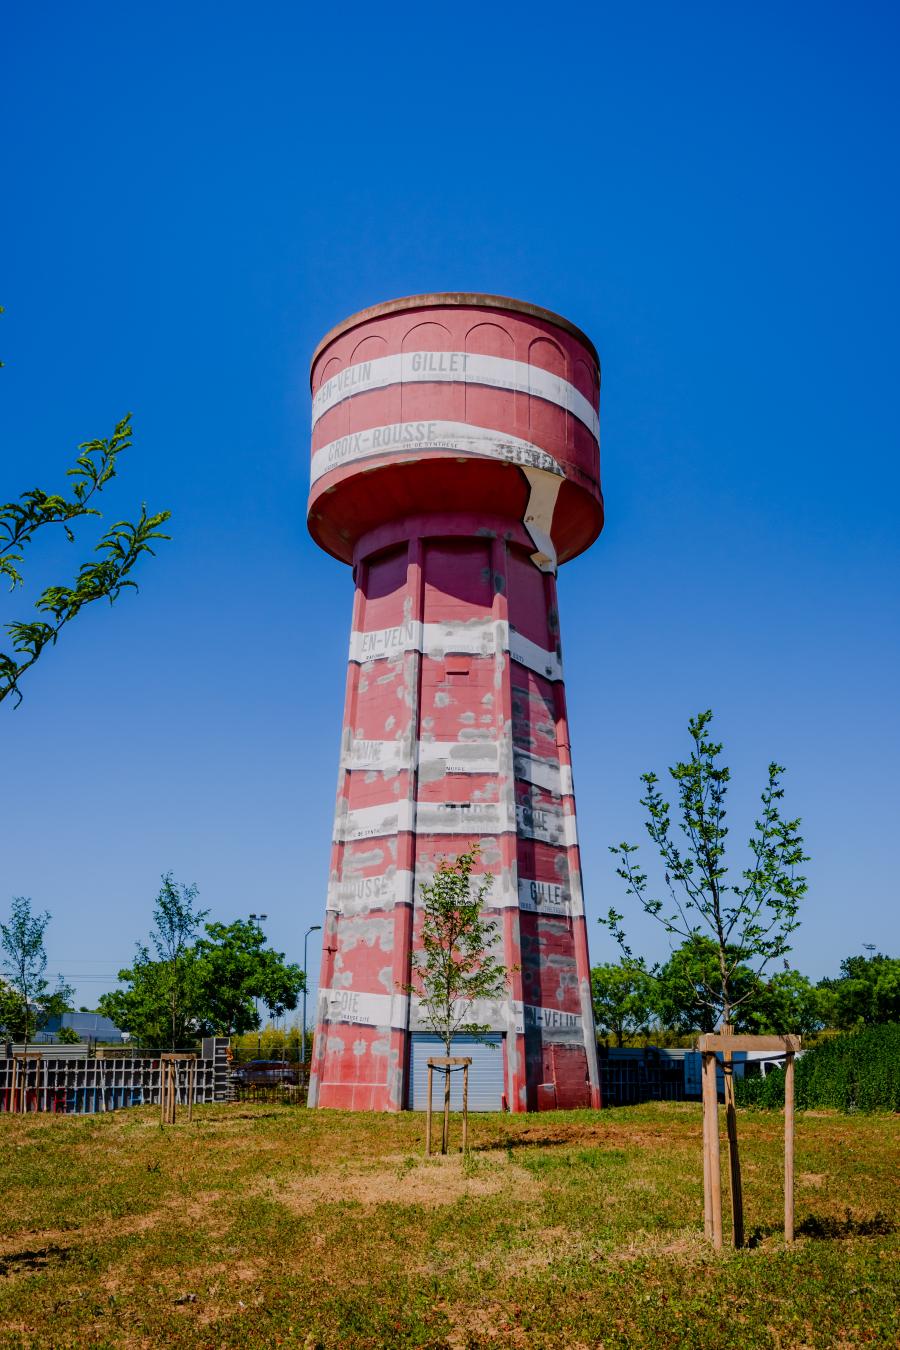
(333, 907)
(404, 899)
(516, 1078)
(576, 893)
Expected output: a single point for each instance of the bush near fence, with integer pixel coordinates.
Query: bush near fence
(859, 1071)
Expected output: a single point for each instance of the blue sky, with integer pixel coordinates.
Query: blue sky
(194, 194)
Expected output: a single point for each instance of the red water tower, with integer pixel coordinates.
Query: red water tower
(455, 464)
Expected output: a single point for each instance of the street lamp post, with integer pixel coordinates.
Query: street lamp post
(316, 928)
(258, 919)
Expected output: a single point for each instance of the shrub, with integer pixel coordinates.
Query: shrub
(856, 1072)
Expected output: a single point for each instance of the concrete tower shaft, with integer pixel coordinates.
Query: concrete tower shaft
(455, 463)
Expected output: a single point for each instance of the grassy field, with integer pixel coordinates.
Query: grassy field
(268, 1225)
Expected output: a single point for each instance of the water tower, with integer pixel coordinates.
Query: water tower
(455, 465)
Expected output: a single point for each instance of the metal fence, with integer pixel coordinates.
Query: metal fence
(628, 1077)
(67, 1079)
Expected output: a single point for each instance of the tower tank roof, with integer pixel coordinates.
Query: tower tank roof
(451, 300)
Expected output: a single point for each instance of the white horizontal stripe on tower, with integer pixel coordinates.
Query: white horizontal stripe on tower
(387, 755)
(497, 372)
(427, 817)
(457, 757)
(553, 1024)
(495, 1014)
(365, 1009)
(480, 637)
(488, 818)
(369, 822)
(550, 897)
(442, 756)
(542, 772)
(545, 821)
(356, 895)
(418, 437)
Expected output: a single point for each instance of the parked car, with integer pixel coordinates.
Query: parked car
(257, 1071)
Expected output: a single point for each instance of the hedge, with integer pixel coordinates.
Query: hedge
(859, 1071)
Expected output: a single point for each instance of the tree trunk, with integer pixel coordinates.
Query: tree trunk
(445, 1135)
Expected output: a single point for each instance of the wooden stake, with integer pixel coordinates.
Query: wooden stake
(711, 1108)
(707, 1147)
(465, 1146)
(734, 1162)
(428, 1113)
(789, 1149)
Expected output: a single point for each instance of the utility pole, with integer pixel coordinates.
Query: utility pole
(316, 928)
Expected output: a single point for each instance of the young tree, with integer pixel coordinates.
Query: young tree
(119, 549)
(234, 969)
(160, 1006)
(622, 996)
(146, 1008)
(454, 969)
(748, 918)
(24, 964)
(199, 986)
(177, 921)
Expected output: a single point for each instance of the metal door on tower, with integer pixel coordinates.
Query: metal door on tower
(485, 1072)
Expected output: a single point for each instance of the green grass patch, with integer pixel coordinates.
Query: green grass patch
(261, 1226)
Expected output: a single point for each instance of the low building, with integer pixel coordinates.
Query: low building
(89, 1026)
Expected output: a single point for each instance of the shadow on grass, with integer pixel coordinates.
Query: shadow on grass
(238, 1115)
(19, 1263)
(825, 1227)
(527, 1141)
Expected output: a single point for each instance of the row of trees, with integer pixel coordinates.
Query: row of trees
(191, 978)
(195, 978)
(632, 1000)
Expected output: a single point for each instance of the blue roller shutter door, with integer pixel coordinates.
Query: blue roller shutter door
(485, 1073)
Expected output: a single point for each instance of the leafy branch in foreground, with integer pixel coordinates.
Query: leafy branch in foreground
(749, 919)
(120, 548)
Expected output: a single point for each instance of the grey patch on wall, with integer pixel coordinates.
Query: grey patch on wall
(368, 931)
(386, 976)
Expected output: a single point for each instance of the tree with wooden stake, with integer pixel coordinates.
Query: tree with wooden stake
(453, 969)
(749, 920)
(170, 1066)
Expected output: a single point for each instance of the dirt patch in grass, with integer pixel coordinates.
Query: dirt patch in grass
(428, 1182)
(490, 1324)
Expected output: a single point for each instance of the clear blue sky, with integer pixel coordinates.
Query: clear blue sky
(193, 194)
